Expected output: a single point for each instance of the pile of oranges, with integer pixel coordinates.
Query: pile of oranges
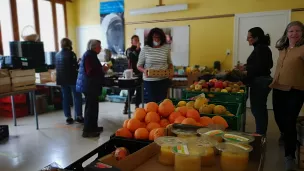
(150, 122)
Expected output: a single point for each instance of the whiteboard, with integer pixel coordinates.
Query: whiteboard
(180, 44)
(84, 34)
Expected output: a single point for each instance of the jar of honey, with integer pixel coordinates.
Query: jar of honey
(234, 156)
(185, 134)
(187, 157)
(213, 133)
(166, 143)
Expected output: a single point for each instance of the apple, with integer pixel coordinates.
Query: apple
(224, 91)
(205, 85)
(211, 84)
(225, 84)
(198, 87)
(217, 90)
(229, 89)
(205, 90)
(218, 84)
(212, 89)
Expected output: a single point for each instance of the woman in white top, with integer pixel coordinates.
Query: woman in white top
(155, 55)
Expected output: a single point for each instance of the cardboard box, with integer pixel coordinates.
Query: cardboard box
(41, 104)
(53, 75)
(146, 159)
(5, 81)
(160, 73)
(4, 73)
(22, 73)
(43, 77)
(5, 88)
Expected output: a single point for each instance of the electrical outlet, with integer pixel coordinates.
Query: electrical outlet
(228, 52)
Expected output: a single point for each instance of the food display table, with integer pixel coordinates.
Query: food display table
(32, 98)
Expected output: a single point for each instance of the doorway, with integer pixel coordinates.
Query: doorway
(273, 23)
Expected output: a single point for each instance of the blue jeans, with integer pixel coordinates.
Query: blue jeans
(259, 90)
(157, 90)
(67, 90)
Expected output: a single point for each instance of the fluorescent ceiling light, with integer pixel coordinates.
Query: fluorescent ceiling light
(159, 9)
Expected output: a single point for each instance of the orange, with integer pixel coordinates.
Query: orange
(151, 107)
(205, 121)
(192, 113)
(133, 124)
(152, 117)
(164, 122)
(183, 110)
(125, 123)
(189, 121)
(143, 125)
(140, 114)
(165, 109)
(179, 119)
(123, 132)
(141, 133)
(220, 120)
(173, 116)
(153, 125)
(159, 132)
(151, 135)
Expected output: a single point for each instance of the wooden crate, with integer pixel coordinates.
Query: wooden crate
(22, 73)
(4, 73)
(5, 81)
(5, 88)
(160, 73)
(43, 77)
(20, 81)
(24, 87)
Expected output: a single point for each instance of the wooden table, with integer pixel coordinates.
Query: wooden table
(32, 97)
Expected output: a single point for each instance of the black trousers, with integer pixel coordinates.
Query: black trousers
(138, 99)
(91, 113)
(286, 107)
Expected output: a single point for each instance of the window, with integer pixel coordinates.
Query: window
(60, 22)
(25, 13)
(6, 26)
(46, 25)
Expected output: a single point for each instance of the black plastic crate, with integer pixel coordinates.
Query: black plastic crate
(4, 133)
(107, 148)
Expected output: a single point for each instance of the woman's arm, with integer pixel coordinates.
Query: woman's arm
(141, 62)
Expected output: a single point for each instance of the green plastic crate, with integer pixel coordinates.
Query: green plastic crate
(234, 122)
(221, 97)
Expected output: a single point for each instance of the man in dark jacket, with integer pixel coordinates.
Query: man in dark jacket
(89, 81)
(132, 54)
(66, 75)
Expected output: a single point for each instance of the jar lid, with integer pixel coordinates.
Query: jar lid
(206, 141)
(234, 147)
(183, 132)
(237, 137)
(210, 132)
(169, 141)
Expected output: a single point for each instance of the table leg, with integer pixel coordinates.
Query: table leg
(13, 110)
(129, 103)
(31, 105)
(34, 108)
(142, 95)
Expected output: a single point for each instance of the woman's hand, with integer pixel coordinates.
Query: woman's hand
(105, 68)
(146, 72)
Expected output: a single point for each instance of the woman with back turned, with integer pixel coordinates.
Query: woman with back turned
(288, 88)
(258, 67)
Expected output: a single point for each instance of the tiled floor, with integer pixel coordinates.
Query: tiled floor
(29, 149)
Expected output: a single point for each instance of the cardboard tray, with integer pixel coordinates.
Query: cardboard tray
(146, 160)
(107, 148)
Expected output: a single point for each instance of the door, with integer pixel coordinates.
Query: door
(273, 23)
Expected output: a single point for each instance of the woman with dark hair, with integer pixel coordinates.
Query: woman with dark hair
(258, 78)
(66, 76)
(155, 55)
(288, 88)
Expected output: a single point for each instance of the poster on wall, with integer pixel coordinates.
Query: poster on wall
(112, 26)
(178, 39)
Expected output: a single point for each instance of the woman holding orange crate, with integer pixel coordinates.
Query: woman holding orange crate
(155, 55)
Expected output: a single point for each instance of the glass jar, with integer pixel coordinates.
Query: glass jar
(234, 156)
(214, 132)
(185, 134)
(166, 155)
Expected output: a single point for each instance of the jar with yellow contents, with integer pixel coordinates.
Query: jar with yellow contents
(215, 133)
(185, 134)
(206, 145)
(238, 137)
(234, 156)
(187, 157)
(166, 155)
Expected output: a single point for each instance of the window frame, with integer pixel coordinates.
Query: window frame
(15, 25)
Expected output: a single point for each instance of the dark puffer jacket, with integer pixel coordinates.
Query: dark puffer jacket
(66, 67)
(86, 83)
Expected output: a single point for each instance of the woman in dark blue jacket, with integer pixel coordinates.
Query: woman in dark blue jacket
(66, 75)
(258, 67)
